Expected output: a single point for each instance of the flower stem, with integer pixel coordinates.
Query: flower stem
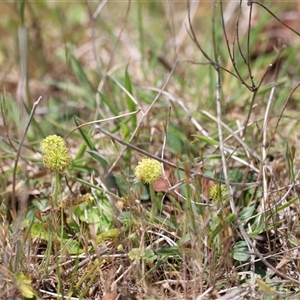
(154, 201)
(56, 188)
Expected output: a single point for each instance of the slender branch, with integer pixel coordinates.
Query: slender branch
(13, 208)
(238, 35)
(264, 153)
(231, 54)
(192, 35)
(253, 99)
(285, 104)
(274, 16)
(100, 121)
(248, 46)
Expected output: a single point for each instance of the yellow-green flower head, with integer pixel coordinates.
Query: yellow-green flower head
(56, 155)
(148, 170)
(218, 193)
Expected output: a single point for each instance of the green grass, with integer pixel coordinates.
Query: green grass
(130, 80)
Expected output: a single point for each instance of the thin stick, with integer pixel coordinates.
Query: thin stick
(231, 54)
(13, 209)
(285, 104)
(253, 99)
(264, 151)
(100, 121)
(128, 145)
(273, 15)
(248, 47)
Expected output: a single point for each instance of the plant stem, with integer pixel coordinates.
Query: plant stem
(154, 203)
(56, 188)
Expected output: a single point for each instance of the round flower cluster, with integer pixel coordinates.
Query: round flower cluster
(148, 170)
(218, 193)
(56, 155)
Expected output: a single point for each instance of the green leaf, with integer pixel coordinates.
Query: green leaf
(93, 151)
(72, 246)
(166, 222)
(290, 155)
(258, 227)
(38, 230)
(150, 256)
(134, 253)
(108, 235)
(98, 157)
(81, 75)
(128, 86)
(175, 139)
(125, 131)
(72, 89)
(239, 251)
(171, 251)
(147, 255)
(246, 213)
(206, 140)
(86, 138)
(81, 151)
(109, 104)
(285, 205)
(130, 103)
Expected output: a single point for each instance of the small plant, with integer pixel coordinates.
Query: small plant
(218, 193)
(56, 155)
(56, 158)
(148, 171)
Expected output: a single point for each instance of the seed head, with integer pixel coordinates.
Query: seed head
(56, 155)
(218, 193)
(148, 170)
